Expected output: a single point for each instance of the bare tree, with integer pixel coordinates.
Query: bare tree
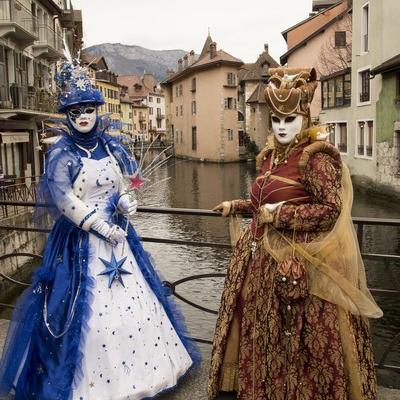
(334, 58)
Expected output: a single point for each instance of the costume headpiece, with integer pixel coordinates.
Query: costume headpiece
(75, 87)
(291, 90)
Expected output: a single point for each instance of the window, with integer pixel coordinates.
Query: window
(3, 75)
(176, 91)
(340, 39)
(159, 123)
(150, 111)
(365, 138)
(229, 103)
(181, 110)
(365, 28)
(231, 79)
(150, 99)
(230, 134)
(176, 111)
(338, 135)
(336, 91)
(364, 86)
(180, 89)
(193, 107)
(242, 138)
(193, 85)
(177, 136)
(194, 138)
(134, 113)
(181, 137)
(158, 100)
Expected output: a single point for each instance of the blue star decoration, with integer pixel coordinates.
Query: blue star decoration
(114, 270)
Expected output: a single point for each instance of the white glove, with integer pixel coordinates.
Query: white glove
(111, 232)
(271, 207)
(126, 205)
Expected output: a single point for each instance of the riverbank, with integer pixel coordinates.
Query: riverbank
(195, 386)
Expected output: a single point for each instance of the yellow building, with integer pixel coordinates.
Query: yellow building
(127, 116)
(201, 105)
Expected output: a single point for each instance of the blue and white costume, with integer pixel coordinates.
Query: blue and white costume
(78, 333)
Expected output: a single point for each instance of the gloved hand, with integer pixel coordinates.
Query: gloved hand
(224, 208)
(126, 205)
(267, 212)
(111, 232)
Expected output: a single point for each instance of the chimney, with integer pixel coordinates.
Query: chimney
(185, 61)
(191, 57)
(266, 47)
(213, 49)
(180, 65)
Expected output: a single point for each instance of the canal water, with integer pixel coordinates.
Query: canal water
(200, 185)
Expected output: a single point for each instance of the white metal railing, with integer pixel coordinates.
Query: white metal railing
(14, 11)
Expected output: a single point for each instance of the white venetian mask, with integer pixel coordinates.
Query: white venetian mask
(286, 128)
(83, 117)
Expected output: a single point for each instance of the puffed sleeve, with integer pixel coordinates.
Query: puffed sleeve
(242, 206)
(322, 179)
(60, 172)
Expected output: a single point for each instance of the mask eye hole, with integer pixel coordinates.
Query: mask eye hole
(276, 119)
(290, 119)
(74, 112)
(89, 110)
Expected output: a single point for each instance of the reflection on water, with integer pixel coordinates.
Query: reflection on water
(198, 185)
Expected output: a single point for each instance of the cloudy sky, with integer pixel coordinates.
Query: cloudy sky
(239, 27)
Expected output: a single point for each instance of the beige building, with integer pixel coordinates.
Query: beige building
(322, 41)
(140, 121)
(253, 113)
(201, 105)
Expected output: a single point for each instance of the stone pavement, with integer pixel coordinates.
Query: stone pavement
(194, 386)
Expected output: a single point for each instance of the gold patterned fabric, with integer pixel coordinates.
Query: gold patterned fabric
(274, 338)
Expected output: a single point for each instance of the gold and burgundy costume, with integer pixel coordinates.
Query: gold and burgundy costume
(274, 338)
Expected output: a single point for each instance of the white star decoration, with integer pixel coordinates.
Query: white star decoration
(81, 83)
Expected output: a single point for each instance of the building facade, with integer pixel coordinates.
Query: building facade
(31, 41)
(322, 41)
(146, 91)
(253, 113)
(140, 121)
(127, 117)
(202, 105)
(365, 128)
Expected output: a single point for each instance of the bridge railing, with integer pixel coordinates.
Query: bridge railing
(361, 223)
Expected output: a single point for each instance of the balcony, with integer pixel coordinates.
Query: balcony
(32, 99)
(160, 117)
(142, 118)
(18, 23)
(49, 45)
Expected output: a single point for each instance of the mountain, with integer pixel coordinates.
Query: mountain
(125, 60)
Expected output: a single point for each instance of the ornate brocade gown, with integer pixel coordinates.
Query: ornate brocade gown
(273, 340)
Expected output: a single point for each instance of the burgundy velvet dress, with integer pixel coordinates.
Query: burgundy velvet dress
(273, 340)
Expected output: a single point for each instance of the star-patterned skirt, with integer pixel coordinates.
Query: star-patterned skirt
(131, 350)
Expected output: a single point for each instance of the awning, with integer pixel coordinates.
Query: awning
(14, 137)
